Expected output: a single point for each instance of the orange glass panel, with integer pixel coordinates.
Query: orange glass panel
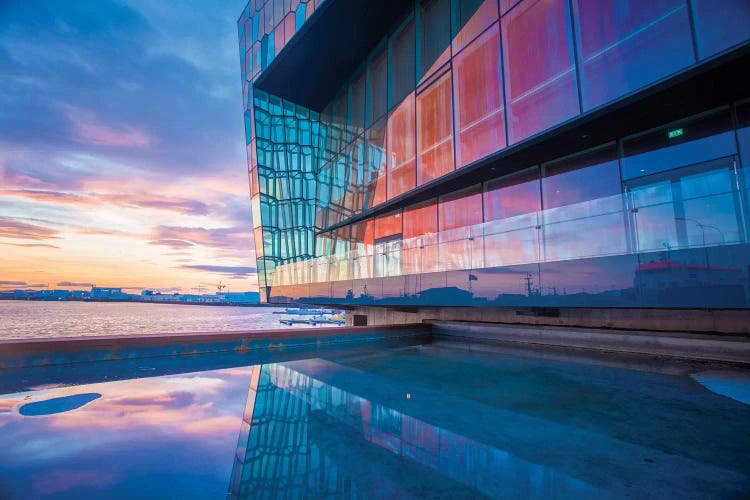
(402, 148)
(421, 219)
(363, 233)
(310, 9)
(479, 105)
(388, 225)
(435, 131)
(420, 250)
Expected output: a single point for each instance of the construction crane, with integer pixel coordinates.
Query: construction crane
(219, 286)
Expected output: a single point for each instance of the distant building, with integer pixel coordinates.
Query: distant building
(102, 293)
(241, 297)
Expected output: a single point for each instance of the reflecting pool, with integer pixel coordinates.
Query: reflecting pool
(429, 421)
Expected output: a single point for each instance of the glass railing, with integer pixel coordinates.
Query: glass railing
(646, 219)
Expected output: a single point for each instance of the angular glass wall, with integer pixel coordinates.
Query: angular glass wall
(282, 143)
(285, 170)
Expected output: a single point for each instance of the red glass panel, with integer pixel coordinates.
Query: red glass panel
(363, 233)
(420, 250)
(434, 131)
(421, 219)
(479, 104)
(401, 148)
(388, 225)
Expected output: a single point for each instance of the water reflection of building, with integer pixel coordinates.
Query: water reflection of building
(305, 438)
(460, 171)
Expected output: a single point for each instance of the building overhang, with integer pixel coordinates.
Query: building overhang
(328, 48)
(714, 83)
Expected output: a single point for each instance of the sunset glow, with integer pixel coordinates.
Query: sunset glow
(120, 163)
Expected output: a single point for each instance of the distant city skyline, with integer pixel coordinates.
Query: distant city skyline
(120, 163)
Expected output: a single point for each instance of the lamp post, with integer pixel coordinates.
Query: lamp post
(703, 233)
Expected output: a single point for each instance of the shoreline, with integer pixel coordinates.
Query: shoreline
(171, 302)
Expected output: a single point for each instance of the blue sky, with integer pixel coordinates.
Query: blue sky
(122, 158)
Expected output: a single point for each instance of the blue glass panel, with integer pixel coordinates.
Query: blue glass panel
(596, 282)
(402, 71)
(720, 24)
(678, 145)
(270, 49)
(300, 15)
(624, 45)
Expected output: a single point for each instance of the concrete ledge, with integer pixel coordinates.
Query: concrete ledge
(663, 320)
(60, 351)
(727, 348)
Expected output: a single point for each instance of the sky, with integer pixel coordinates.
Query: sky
(122, 156)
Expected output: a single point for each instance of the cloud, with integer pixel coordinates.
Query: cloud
(31, 245)
(70, 283)
(151, 122)
(103, 232)
(170, 400)
(225, 237)
(21, 284)
(234, 271)
(89, 130)
(172, 243)
(45, 196)
(181, 205)
(11, 228)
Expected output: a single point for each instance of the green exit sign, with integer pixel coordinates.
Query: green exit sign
(675, 133)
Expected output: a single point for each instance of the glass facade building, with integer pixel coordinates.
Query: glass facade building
(543, 153)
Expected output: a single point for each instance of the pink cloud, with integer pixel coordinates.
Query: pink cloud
(224, 237)
(131, 200)
(12, 228)
(89, 131)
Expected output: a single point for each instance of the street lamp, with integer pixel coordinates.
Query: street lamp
(703, 233)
